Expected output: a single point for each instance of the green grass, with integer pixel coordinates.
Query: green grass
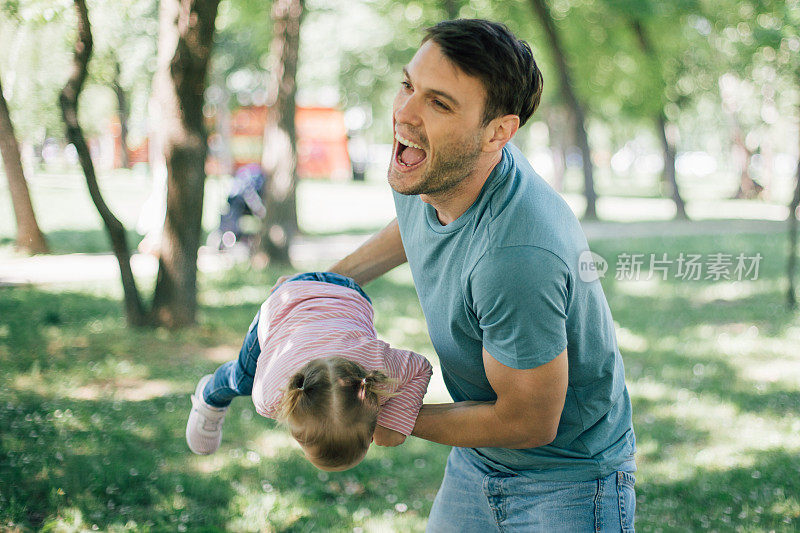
(715, 382)
(92, 414)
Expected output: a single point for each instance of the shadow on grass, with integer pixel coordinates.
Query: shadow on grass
(88, 241)
(26, 314)
(102, 462)
(76, 447)
(714, 378)
(111, 462)
(388, 483)
(679, 314)
(658, 432)
(761, 497)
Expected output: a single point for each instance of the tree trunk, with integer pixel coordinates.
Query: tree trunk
(793, 206)
(556, 118)
(669, 175)
(68, 100)
(543, 12)
(29, 237)
(280, 149)
(749, 188)
(124, 112)
(185, 41)
(668, 148)
(740, 153)
(451, 9)
(792, 263)
(224, 130)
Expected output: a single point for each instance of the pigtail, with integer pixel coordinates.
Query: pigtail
(294, 394)
(332, 405)
(375, 384)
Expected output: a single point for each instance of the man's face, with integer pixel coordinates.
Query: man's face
(439, 109)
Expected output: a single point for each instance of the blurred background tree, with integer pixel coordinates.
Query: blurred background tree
(68, 101)
(279, 159)
(689, 100)
(29, 236)
(185, 39)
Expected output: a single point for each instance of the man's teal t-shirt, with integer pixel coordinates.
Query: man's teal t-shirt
(505, 276)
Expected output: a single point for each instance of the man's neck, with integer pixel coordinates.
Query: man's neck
(452, 203)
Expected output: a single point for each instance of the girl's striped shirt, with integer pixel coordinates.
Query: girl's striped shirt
(306, 320)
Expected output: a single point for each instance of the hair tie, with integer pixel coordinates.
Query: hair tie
(362, 389)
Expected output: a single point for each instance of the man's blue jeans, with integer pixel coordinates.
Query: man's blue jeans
(476, 498)
(235, 378)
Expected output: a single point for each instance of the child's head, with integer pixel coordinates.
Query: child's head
(331, 406)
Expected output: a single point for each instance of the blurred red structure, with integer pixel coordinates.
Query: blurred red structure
(136, 154)
(321, 142)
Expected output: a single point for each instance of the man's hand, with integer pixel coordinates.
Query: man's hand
(280, 280)
(387, 437)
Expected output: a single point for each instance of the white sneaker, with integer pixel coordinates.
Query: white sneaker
(204, 428)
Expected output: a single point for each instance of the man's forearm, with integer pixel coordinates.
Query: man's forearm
(381, 253)
(476, 425)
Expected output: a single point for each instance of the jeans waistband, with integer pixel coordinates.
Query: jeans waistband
(330, 277)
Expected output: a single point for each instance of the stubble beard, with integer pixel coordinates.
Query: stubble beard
(451, 166)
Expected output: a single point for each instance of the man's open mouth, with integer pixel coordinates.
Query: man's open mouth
(408, 154)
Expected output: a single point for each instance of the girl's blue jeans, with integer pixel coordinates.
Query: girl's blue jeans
(235, 378)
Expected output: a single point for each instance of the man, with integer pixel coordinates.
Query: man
(541, 424)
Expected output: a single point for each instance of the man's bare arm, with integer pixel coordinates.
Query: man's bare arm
(525, 415)
(381, 253)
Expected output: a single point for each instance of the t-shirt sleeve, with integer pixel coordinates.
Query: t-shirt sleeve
(520, 296)
(412, 373)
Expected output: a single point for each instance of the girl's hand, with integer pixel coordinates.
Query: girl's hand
(387, 437)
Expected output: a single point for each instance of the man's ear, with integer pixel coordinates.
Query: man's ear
(499, 132)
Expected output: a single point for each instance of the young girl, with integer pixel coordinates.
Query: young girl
(312, 359)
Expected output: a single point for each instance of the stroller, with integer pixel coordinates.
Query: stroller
(244, 200)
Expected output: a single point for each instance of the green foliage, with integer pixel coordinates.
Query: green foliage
(92, 413)
(757, 47)
(352, 53)
(241, 50)
(37, 64)
(34, 64)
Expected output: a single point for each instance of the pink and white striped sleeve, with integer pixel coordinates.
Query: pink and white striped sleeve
(413, 373)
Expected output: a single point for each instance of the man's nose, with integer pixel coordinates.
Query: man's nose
(406, 109)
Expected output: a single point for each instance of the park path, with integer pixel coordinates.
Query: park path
(310, 252)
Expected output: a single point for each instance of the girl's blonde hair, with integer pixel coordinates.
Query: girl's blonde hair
(332, 405)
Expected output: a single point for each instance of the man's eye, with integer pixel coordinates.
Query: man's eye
(405, 85)
(440, 105)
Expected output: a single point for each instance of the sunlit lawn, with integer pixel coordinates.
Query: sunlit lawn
(92, 414)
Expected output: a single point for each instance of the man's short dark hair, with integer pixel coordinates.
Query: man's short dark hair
(504, 64)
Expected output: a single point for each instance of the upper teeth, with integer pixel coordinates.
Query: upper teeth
(406, 141)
